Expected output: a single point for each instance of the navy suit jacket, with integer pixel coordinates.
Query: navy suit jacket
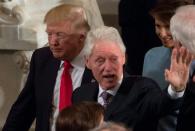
(138, 103)
(35, 100)
(186, 116)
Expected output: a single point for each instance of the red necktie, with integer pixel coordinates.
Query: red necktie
(65, 87)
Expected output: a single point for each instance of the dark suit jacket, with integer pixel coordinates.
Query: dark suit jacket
(139, 102)
(35, 100)
(186, 118)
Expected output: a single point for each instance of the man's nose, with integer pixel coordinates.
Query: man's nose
(53, 39)
(107, 66)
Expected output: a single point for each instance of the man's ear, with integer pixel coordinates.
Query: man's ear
(87, 62)
(124, 59)
(82, 37)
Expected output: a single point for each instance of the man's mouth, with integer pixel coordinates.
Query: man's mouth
(109, 77)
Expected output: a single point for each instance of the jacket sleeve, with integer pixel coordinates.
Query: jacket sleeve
(186, 116)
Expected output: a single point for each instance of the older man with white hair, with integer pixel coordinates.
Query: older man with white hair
(183, 30)
(133, 100)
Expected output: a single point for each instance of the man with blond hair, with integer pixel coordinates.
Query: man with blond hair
(55, 71)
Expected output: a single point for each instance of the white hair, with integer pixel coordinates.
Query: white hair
(111, 126)
(103, 33)
(182, 26)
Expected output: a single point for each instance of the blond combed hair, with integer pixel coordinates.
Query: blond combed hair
(67, 12)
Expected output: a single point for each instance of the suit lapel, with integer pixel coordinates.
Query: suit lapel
(88, 92)
(87, 77)
(54, 66)
(47, 81)
(45, 74)
(94, 89)
(118, 100)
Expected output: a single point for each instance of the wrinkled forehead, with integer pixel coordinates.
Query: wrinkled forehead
(105, 47)
(61, 26)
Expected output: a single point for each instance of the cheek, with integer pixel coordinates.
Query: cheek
(94, 68)
(157, 31)
(119, 69)
(49, 39)
(75, 46)
(169, 34)
(171, 43)
(66, 45)
(119, 64)
(96, 72)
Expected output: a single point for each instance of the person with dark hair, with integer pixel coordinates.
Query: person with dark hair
(135, 101)
(158, 59)
(82, 116)
(55, 71)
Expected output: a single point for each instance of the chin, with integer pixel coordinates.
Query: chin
(57, 56)
(168, 45)
(108, 86)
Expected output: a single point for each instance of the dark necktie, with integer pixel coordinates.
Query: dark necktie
(107, 98)
(65, 87)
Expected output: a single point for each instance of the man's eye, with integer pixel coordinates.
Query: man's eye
(60, 34)
(167, 27)
(49, 34)
(100, 61)
(157, 25)
(114, 59)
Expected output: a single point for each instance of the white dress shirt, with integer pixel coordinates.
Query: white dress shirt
(112, 91)
(76, 72)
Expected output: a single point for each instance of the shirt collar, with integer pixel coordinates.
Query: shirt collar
(112, 91)
(78, 62)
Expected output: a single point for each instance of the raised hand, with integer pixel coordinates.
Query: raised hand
(178, 73)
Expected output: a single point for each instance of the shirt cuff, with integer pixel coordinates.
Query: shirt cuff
(173, 94)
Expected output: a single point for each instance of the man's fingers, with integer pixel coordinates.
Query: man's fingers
(174, 56)
(189, 58)
(183, 55)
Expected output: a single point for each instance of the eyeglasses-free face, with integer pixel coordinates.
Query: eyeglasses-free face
(64, 42)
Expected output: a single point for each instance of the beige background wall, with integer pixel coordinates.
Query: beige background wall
(10, 77)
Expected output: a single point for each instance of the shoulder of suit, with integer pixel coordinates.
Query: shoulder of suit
(89, 85)
(44, 52)
(86, 88)
(44, 55)
(140, 80)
